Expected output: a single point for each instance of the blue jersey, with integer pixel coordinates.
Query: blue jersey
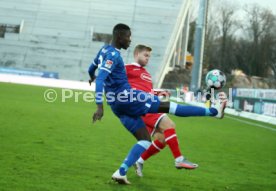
(112, 75)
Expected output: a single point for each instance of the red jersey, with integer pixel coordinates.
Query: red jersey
(138, 77)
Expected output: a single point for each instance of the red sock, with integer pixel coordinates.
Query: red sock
(154, 148)
(172, 141)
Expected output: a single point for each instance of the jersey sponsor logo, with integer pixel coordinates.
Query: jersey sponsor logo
(145, 77)
(108, 63)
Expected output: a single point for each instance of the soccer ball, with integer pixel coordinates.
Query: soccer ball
(215, 79)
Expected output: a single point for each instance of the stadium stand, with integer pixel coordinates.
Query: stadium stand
(57, 35)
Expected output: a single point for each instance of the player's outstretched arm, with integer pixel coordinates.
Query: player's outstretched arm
(99, 94)
(105, 70)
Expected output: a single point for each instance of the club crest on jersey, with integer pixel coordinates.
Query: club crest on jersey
(145, 77)
(108, 63)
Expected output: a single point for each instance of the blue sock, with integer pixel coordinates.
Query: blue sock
(133, 155)
(188, 111)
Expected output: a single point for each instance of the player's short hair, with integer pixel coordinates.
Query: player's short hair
(141, 47)
(120, 28)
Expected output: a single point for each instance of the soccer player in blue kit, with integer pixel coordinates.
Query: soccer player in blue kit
(129, 104)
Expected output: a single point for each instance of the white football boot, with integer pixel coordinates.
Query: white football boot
(138, 169)
(119, 178)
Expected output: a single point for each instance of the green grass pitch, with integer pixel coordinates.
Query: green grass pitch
(55, 147)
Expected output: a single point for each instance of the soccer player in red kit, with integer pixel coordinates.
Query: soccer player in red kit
(159, 125)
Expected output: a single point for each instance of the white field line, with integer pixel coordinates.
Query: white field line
(251, 123)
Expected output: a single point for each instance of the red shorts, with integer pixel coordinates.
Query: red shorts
(151, 120)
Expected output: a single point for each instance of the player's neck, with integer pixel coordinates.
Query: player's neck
(139, 64)
(116, 45)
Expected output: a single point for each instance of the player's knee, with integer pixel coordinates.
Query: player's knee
(162, 140)
(160, 137)
(171, 125)
(166, 123)
(144, 143)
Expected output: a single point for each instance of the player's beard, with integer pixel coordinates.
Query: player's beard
(143, 64)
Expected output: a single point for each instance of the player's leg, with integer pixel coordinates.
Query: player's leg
(186, 111)
(142, 103)
(137, 127)
(128, 111)
(152, 121)
(157, 145)
(167, 126)
(164, 133)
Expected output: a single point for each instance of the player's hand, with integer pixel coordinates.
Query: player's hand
(91, 80)
(98, 114)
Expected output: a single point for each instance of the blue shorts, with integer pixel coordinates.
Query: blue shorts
(130, 109)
